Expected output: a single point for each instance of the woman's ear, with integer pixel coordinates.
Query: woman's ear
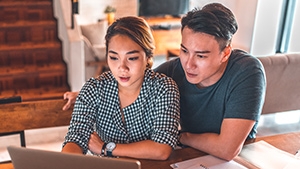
(226, 53)
(149, 62)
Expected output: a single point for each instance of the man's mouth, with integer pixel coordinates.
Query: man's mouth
(190, 74)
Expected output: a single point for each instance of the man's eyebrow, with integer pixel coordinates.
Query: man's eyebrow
(200, 51)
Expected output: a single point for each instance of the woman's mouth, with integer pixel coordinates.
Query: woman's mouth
(124, 79)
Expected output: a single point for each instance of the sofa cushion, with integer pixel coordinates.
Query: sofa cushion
(283, 82)
(95, 32)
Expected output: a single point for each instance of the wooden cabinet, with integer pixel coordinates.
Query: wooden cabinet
(165, 39)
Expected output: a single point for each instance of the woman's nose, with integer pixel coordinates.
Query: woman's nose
(123, 66)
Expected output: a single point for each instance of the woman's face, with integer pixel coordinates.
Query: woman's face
(127, 61)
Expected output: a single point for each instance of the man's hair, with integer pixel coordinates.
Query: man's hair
(214, 19)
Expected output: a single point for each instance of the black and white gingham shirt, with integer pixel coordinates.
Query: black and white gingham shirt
(153, 116)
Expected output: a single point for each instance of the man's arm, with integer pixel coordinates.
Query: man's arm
(225, 145)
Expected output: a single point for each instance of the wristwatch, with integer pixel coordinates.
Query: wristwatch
(109, 148)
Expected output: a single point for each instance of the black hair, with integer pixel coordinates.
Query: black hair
(214, 19)
(137, 29)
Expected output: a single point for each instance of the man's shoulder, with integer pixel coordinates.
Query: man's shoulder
(244, 58)
(169, 67)
(158, 78)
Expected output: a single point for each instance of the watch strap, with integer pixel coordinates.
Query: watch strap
(103, 149)
(109, 153)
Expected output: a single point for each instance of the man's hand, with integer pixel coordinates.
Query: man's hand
(71, 97)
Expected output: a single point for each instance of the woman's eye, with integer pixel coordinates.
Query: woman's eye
(133, 58)
(113, 58)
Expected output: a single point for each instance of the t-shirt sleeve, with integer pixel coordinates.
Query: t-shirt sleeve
(246, 94)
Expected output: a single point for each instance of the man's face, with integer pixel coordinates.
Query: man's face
(201, 58)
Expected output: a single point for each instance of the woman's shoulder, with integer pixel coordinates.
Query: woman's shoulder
(154, 76)
(159, 80)
(105, 77)
(101, 81)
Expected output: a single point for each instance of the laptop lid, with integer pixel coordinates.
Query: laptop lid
(26, 158)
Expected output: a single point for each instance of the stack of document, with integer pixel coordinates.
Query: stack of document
(264, 155)
(258, 155)
(207, 162)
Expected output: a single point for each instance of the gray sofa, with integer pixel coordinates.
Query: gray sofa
(283, 82)
(94, 47)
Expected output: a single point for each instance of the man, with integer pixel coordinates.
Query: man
(221, 90)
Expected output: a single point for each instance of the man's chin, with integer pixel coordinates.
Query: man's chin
(192, 80)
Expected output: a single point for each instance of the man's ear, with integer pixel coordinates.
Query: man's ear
(226, 53)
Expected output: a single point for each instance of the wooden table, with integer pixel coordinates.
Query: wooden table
(287, 142)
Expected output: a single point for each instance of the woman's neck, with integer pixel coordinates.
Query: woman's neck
(128, 95)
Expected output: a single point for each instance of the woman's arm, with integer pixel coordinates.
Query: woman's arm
(72, 148)
(146, 149)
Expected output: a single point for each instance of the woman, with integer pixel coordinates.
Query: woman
(129, 111)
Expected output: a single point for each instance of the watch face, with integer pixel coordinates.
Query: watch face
(110, 146)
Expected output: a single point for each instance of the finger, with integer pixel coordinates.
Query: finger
(66, 95)
(66, 106)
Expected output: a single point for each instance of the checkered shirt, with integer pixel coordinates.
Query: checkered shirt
(153, 116)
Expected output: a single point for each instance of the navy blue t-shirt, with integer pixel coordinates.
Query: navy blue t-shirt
(239, 93)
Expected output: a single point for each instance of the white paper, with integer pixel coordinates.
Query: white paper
(208, 161)
(266, 156)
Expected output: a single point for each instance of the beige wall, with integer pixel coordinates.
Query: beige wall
(91, 11)
(245, 12)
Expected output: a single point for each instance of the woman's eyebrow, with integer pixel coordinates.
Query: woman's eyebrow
(111, 51)
(133, 51)
(130, 52)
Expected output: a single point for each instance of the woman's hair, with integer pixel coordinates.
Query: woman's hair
(135, 28)
(214, 19)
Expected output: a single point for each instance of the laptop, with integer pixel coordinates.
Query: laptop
(26, 158)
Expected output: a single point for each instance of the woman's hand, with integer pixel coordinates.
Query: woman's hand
(95, 143)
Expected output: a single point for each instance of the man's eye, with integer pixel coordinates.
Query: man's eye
(133, 58)
(200, 56)
(113, 58)
(183, 50)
